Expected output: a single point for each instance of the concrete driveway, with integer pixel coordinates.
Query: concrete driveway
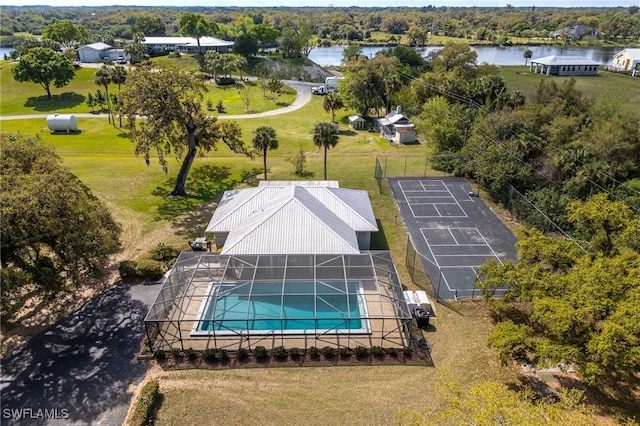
(80, 369)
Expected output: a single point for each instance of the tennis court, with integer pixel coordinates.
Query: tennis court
(452, 231)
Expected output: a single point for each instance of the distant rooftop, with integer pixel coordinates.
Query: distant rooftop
(186, 41)
(563, 60)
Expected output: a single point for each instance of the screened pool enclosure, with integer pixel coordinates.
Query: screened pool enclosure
(231, 301)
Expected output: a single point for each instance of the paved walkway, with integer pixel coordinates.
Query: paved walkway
(82, 366)
(303, 96)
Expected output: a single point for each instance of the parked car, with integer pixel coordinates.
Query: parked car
(121, 60)
(319, 90)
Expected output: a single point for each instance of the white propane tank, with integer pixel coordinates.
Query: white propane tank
(62, 123)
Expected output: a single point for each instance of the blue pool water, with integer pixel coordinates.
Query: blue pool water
(296, 306)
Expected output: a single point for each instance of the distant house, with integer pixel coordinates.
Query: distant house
(564, 65)
(628, 59)
(576, 32)
(187, 44)
(395, 127)
(357, 122)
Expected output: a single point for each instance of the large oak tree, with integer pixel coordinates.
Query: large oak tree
(55, 232)
(43, 66)
(164, 114)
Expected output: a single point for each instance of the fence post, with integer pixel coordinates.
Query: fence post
(405, 165)
(426, 162)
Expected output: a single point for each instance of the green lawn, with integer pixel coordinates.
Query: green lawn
(30, 98)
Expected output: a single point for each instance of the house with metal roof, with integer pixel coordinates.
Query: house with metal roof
(282, 217)
(98, 52)
(628, 60)
(294, 270)
(187, 44)
(564, 65)
(395, 127)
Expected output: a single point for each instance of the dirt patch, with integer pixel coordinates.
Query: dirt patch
(308, 71)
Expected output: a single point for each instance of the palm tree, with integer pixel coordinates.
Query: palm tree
(264, 139)
(119, 77)
(103, 78)
(332, 102)
(325, 136)
(527, 55)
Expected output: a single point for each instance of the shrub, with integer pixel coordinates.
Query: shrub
(279, 353)
(160, 355)
(392, 352)
(146, 400)
(164, 253)
(190, 354)
(175, 353)
(294, 353)
(209, 355)
(225, 81)
(220, 108)
(260, 352)
(361, 352)
(127, 269)
(149, 269)
(328, 352)
(209, 105)
(242, 354)
(377, 351)
(407, 352)
(222, 355)
(313, 352)
(344, 352)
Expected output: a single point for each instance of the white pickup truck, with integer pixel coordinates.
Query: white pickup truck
(319, 90)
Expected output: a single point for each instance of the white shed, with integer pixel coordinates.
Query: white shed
(93, 52)
(62, 123)
(357, 122)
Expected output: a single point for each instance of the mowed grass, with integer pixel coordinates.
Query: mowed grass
(31, 98)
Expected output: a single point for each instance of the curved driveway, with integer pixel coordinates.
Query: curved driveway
(303, 96)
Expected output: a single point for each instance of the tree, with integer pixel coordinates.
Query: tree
(55, 232)
(264, 34)
(102, 78)
(66, 33)
(331, 103)
(490, 403)
(570, 304)
(351, 51)
(275, 85)
(43, 66)
(164, 113)
(149, 25)
(527, 55)
(264, 139)
(417, 36)
(325, 136)
(245, 45)
(135, 49)
(196, 26)
(245, 95)
(444, 123)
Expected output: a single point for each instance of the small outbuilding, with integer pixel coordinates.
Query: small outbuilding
(395, 127)
(93, 52)
(628, 59)
(62, 123)
(564, 65)
(357, 122)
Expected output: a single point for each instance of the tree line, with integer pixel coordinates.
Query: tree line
(116, 26)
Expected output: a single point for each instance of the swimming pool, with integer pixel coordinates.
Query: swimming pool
(288, 308)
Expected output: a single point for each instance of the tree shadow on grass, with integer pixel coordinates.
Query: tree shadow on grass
(56, 102)
(204, 185)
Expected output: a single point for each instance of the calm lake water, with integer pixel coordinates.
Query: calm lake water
(512, 55)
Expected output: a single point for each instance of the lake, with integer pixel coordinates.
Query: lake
(511, 55)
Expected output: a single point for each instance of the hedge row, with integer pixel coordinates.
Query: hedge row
(147, 399)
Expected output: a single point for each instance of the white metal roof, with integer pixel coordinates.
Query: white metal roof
(97, 46)
(294, 222)
(564, 60)
(634, 53)
(350, 205)
(187, 41)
